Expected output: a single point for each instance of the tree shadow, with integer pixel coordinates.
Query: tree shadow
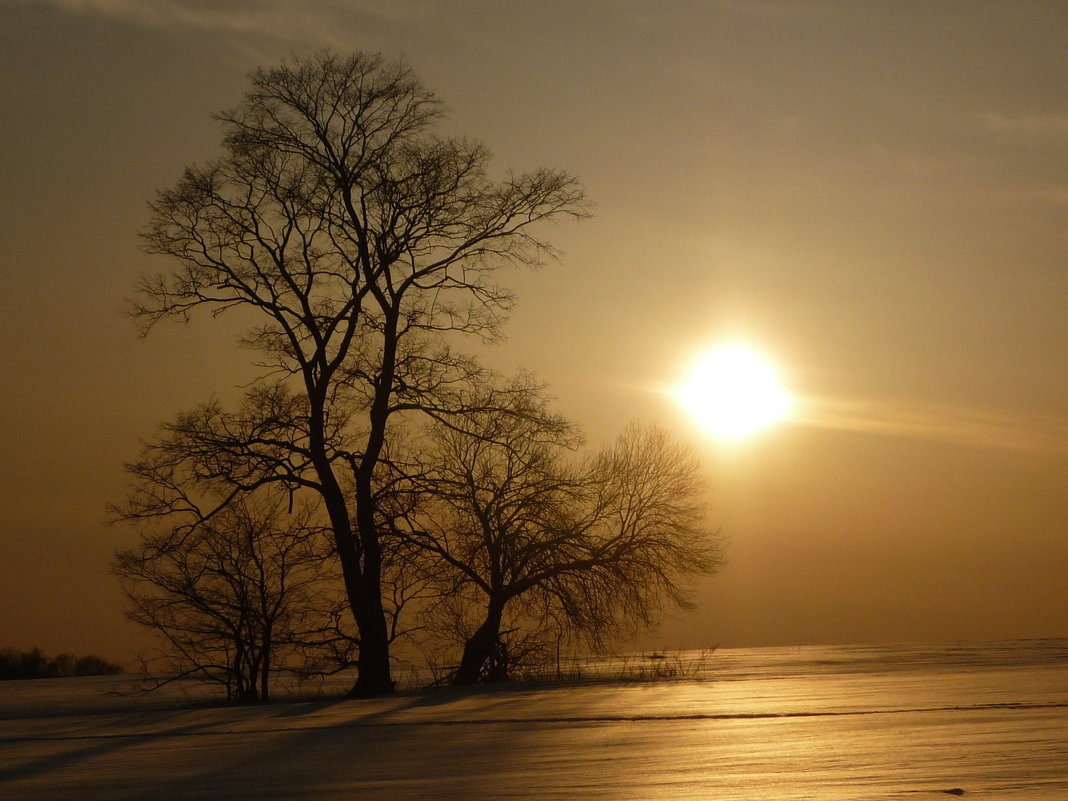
(84, 747)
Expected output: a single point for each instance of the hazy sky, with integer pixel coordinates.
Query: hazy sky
(875, 194)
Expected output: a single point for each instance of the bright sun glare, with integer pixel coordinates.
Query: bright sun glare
(734, 392)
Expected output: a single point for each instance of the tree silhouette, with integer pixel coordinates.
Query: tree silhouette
(33, 664)
(364, 246)
(529, 535)
(235, 596)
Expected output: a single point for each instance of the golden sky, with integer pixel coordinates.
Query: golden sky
(873, 194)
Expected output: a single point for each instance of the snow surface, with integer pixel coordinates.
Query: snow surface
(756, 725)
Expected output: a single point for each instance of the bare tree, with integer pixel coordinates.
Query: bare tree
(533, 539)
(234, 597)
(363, 245)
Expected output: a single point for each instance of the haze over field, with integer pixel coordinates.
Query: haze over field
(873, 196)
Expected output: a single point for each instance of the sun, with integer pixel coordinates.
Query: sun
(734, 392)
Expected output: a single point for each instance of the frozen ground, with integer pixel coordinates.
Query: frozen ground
(759, 725)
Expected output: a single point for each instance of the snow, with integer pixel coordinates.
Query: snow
(740, 730)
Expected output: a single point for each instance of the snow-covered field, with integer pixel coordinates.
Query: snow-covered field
(862, 723)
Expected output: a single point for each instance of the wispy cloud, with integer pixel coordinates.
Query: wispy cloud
(775, 11)
(912, 162)
(939, 422)
(315, 20)
(1037, 125)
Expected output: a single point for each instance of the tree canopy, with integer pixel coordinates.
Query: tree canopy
(524, 535)
(365, 245)
(364, 250)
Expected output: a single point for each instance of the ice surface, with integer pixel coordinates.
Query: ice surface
(908, 722)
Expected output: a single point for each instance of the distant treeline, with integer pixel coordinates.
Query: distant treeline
(35, 665)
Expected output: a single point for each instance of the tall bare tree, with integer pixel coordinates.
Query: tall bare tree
(528, 534)
(364, 245)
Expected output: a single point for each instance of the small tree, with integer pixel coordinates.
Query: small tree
(236, 596)
(533, 541)
(363, 246)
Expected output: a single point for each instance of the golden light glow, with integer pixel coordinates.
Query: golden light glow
(734, 392)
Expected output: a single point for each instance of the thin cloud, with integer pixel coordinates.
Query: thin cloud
(1055, 194)
(775, 11)
(1034, 125)
(940, 423)
(914, 163)
(313, 19)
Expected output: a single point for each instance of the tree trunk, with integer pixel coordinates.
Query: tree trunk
(374, 676)
(480, 646)
(362, 581)
(265, 671)
(374, 670)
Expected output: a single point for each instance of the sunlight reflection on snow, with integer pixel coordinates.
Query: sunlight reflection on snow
(773, 725)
